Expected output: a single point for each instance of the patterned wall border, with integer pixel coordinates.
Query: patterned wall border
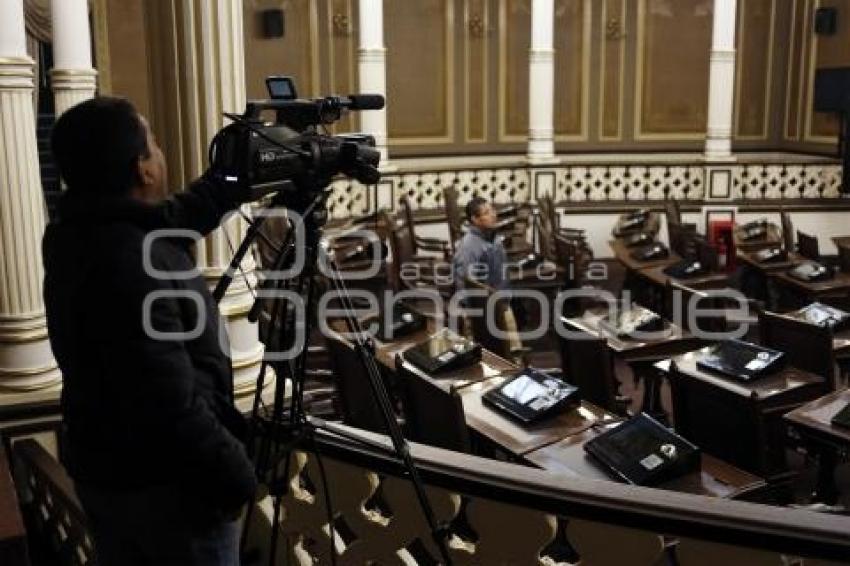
(595, 183)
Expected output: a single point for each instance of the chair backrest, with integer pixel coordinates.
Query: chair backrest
(358, 406)
(844, 258)
(403, 249)
(677, 306)
(787, 231)
(406, 211)
(807, 246)
(548, 214)
(672, 212)
(454, 214)
(806, 346)
(682, 239)
(434, 414)
(589, 365)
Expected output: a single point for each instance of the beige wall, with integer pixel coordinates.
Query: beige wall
(127, 52)
(630, 74)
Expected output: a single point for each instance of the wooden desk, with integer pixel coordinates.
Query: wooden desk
(772, 237)
(641, 354)
(623, 254)
(811, 423)
(715, 479)
(737, 421)
(471, 383)
(673, 340)
(650, 226)
(839, 284)
(13, 537)
(657, 277)
(747, 258)
(840, 339)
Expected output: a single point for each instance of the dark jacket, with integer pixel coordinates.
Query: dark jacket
(141, 411)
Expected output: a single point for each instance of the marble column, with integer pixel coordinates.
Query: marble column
(541, 84)
(197, 68)
(26, 360)
(72, 76)
(721, 83)
(372, 57)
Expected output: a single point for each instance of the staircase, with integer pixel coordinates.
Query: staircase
(49, 173)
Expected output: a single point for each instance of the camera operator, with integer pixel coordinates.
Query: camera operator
(154, 443)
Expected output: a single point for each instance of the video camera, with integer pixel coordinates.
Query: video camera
(290, 155)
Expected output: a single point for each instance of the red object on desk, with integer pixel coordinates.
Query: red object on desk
(720, 236)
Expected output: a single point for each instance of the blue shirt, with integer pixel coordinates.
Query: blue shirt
(482, 257)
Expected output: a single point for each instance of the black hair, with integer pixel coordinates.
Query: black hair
(97, 145)
(474, 206)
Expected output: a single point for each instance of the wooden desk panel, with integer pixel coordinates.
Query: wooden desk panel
(623, 254)
(771, 238)
(840, 339)
(740, 422)
(471, 383)
(792, 260)
(657, 277)
(815, 417)
(715, 479)
(840, 283)
(672, 341)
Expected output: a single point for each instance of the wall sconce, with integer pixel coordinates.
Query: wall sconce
(476, 26)
(341, 24)
(614, 29)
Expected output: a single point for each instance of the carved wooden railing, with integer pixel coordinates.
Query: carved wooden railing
(513, 515)
(52, 506)
(516, 512)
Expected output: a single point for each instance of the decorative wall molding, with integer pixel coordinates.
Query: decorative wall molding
(596, 181)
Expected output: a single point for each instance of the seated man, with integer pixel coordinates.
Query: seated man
(480, 256)
(480, 253)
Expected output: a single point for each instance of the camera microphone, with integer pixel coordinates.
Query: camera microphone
(364, 101)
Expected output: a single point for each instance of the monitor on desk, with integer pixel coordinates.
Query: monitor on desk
(643, 452)
(531, 396)
(442, 351)
(741, 360)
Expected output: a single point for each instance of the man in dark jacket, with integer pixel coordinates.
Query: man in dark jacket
(154, 443)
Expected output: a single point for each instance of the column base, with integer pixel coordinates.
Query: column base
(28, 365)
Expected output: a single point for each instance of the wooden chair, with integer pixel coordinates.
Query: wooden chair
(52, 508)
(431, 272)
(807, 246)
(420, 243)
(434, 414)
(787, 232)
(454, 215)
(510, 347)
(357, 405)
(550, 220)
(806, 346)
(672, 212)
(588, 364)
(677, 300)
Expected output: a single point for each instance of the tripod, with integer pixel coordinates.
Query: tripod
(276, 433)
